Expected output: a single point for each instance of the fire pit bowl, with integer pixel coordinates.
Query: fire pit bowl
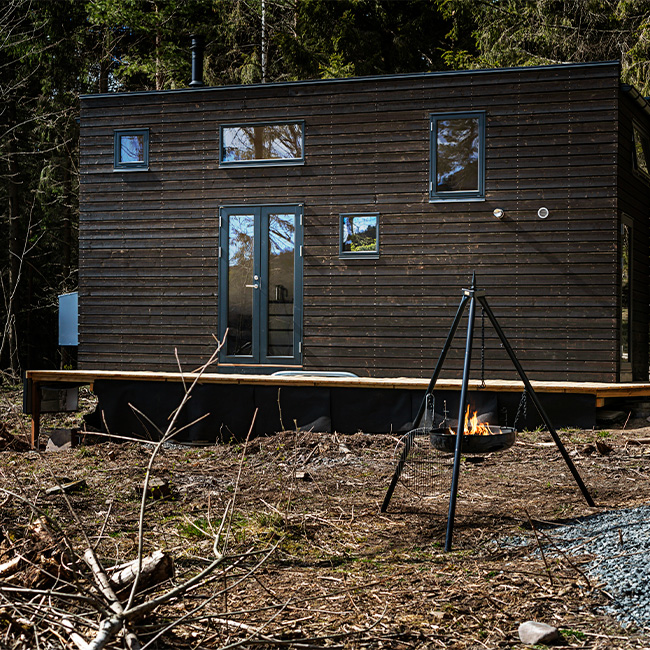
(501, 438)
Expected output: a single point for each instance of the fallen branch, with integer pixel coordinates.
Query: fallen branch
(76, 638)
(567, 558)
(539, 546)
(155, 568)
(11, 567)
(111, 626)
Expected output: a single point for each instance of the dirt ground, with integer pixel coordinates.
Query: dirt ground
(339, 573)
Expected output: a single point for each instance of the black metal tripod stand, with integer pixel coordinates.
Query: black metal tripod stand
(471, 296)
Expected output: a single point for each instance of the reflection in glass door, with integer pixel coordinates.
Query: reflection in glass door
(260, 284)
(241, 277)
(280, 299)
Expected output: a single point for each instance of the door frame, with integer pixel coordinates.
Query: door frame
(259, 357)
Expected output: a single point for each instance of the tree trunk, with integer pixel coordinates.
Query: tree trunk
(104, 61)
(159, 74)
(67, 220)
(263, 41)
(15, 248)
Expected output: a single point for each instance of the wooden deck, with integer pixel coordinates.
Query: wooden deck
(53, 378)
(600, 390)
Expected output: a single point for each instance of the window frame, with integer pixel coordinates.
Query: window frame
(436, 196)
(259, 357)
(261, 162)
(140, 165)
(645, 145)
(373, 254)
(625, 363)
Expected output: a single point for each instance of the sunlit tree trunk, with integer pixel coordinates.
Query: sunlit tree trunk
(104, 61)
(67, 220)
(15, 248)
(263, 41)
(159, 67)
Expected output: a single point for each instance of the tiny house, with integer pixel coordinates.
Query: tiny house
(332, 224)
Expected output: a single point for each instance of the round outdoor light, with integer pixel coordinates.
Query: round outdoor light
(542, 213)
(498, 213)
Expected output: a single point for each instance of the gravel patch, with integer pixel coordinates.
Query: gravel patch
(618, 545)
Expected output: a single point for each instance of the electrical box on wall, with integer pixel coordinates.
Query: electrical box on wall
(69, 319)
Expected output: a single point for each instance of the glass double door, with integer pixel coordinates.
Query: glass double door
(260, 284)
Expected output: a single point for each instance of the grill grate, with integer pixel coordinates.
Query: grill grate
(425, 470)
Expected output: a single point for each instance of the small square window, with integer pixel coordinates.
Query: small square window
(641, 152)
(274, 143)
(131, 149)
(359, 235)
(457, 157)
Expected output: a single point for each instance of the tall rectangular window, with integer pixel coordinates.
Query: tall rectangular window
(457, 156)
(131, 149)
(626, 273)
(276, 143)
(281, 273)
(641, 151)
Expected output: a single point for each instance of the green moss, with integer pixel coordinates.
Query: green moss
(576, 634)
(196, 529)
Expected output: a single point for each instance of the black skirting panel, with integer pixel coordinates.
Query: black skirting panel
(224, 412)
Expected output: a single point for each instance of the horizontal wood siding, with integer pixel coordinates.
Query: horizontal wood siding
(149, 240)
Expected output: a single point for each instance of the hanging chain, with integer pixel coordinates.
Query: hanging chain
(430, 412)
(482, 347)
(433, 412)
(521, 409)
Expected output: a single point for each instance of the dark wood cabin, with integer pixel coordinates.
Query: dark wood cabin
(331, 225)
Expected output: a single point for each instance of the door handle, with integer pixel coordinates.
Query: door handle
(253, 286)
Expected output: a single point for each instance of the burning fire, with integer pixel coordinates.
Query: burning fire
(473, 427)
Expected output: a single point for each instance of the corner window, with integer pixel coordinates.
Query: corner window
(641, 151)
(275, 143)
(457, 157)
(359, 235)
(131, 149)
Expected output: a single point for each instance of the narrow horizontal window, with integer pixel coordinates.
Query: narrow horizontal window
(457, 156)
(131, 149)
(359, 235)
(270, 143)
(641, 152)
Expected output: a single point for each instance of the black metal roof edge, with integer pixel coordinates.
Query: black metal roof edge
(406, 75)
(637, 97)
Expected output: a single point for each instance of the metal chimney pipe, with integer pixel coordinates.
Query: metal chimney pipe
(197, 61)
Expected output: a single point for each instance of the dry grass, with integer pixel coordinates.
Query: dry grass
(343, 574)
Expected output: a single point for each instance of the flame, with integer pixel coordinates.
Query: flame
(473, 427)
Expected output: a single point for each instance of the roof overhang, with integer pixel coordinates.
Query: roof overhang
(637, 97)
(372, 78)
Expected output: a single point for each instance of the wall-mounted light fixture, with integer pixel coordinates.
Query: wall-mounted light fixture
(498, 213)
(542, 213)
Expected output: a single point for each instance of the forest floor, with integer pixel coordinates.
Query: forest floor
(339, 573)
